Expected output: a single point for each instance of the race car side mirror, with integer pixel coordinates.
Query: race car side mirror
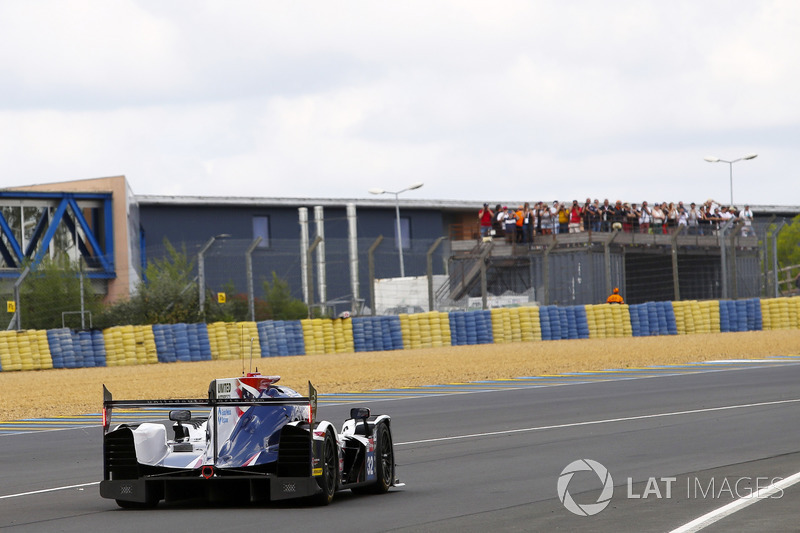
(180, 415)
(361, 413)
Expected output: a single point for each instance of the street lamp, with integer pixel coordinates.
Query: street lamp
(397, 213)
(711, 159)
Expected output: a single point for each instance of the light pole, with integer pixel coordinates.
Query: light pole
(397, 213)
(711, 159)
(201, 270)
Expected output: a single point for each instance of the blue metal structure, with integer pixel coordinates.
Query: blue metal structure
(96, 249)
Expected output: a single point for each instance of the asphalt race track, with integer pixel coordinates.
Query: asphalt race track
(676, 447)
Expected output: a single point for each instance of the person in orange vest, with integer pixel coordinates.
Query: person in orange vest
(520, 215)
(615, 298)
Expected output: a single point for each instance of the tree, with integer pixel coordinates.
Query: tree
(280, 303)
(789, 244)
(54, 288)
(167, 296)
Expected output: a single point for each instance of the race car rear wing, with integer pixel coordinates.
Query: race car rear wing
(109, 403)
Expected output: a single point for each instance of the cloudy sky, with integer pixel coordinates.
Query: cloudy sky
(501, 100)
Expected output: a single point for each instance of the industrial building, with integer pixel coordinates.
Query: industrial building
(115, 232)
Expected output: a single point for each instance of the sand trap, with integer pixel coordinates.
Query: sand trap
(48, 393)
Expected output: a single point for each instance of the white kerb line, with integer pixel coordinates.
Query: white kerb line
(737, 505)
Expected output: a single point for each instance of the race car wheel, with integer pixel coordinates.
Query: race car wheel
(327, 481)
(384, 459)
(384, 463)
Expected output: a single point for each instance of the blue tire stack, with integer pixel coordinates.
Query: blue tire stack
(483, 327)
(165, 343)
(544, 323)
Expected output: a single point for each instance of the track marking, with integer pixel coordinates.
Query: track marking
(794, 479)
(595, 422)
(737, 505)
(49, 490)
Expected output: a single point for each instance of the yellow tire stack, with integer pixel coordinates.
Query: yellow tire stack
(597, 318)
(710, 310)
(40, 350)
(112, 339)
(621, 321)
(766, 314)
(516, 327)
(625, 320)
(405, 329)
(343, 335)
(328, 336)
(9, 355)
(425, 330)
(308, 336)
(690, 317)
(145, 345)
(501, 325)
(440, 326)
(312, 336)
(128, 345)
(781, 313)
(24, 350)
(218, 341)
(530, 327)
(247, 331)
(681, 312)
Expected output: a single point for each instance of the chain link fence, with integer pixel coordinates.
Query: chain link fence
(447, 275)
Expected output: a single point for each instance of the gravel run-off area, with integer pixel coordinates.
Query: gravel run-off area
(66, 392)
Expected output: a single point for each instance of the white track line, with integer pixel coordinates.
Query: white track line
(511, 431)
(594, 422)
(737, 505)
(49, 490)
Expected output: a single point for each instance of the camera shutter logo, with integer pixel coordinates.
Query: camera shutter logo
(587, 509)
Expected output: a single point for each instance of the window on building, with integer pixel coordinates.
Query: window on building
(261, 229)
(405, 228)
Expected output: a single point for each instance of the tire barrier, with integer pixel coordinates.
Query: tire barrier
(130, 345)
(166, 343)
(233, 340)
(378, 333)
(515, 324)
(558, 323)
(281, 338)
(781, 313)
(76, 349)
(431, 329)
(472, 327)
(181, 342)
(607, 321)
(652, 318)
(24, 350)
(693, 317)
(739, 315)
(328, 335)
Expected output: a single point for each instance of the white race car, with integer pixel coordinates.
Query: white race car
(250, 440)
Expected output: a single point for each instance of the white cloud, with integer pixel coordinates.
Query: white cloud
(510, 99)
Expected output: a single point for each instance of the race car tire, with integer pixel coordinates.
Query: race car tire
(384, 463)
(327, 481)
(384, 460)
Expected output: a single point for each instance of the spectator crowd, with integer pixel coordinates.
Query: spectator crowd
(522, 223)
